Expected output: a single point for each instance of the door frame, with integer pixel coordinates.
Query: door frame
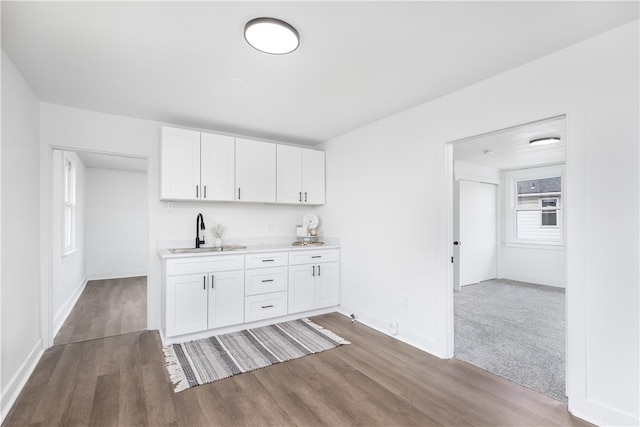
(573, 330)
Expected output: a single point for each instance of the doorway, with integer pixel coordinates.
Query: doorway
(99, 239)
(494, 310)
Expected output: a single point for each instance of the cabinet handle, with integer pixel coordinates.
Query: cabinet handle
(204, 282)
(305, 196)
(238, 193)
(268, 260)
(300, 197)
(318, 270)
(316, 256)
(267, 280)
(196, 191)
(313, 272)
(267, 306)
(205, 191)
(213, 281)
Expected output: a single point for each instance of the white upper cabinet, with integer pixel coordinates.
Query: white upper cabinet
(289, 174)
(255, 171)
(217, 166)
(313, 177)
(179, 164)
(210, 167)
(196, 166)
(301, 175)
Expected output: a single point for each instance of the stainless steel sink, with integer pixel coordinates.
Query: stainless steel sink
(199, 250)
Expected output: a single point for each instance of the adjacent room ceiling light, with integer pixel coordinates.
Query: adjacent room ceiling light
(545, 141)
(271, 35)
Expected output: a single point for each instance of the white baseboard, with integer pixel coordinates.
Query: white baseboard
(418, 341)
(65, 310)
(17, 383)
(116, 275)
(601, 415)
(546, 281)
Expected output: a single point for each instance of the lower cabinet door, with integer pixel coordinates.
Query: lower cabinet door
(327, 284)
(186, 304)
(266, 306)
(226, 298)
(301, 288)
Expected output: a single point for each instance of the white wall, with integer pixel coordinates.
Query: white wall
(395, 233)
(544, 264)
(68, 273)
(117, 235)
(20, 267)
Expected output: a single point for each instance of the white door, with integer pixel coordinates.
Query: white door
(217, 160)
(226, 298)
(186, 304)
(477, 232)
(313, 177)
(289, 174)
(180, 164)
(327, 284)
(301, 288)
(255, 171)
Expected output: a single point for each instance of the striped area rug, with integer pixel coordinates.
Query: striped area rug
(210, 359)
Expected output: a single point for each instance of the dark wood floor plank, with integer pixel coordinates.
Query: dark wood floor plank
(122, 380)
(106, 308)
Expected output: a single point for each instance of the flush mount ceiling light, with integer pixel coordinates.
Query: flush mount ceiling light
(270, 35)
(545, 141)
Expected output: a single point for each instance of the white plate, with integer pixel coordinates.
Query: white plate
(311, 221)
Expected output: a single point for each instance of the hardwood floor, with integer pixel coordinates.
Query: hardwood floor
(376, 380)
(106, 308)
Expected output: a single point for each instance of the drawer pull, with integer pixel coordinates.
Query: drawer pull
(313, 273)
(268, 260)
(268, 306)
(316, 256)
(204, 282)
(318, 270)
(267, 280)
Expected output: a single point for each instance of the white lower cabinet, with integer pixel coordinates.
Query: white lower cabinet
(226, 299)
(265, 306)
(314, 280)
(209, 292)
(265, 286)
(205, 298)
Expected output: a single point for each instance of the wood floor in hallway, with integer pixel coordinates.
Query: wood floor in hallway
(106, 308)
(375, 381)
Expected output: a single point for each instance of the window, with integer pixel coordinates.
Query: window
(538, 210)
(69, 205)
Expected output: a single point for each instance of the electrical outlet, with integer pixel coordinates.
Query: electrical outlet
(393, 328)
(405, 301)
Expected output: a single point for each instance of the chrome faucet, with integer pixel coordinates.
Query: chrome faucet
(199, 226)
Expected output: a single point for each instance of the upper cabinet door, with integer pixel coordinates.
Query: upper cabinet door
(217, 166)
(313, 177)
(180, 164)
(255, 171)
(289, 174)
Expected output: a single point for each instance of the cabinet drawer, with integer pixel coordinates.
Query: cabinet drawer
(210, 264)
(264, 280)
(258, 307)
(312, 257)
(275, 259)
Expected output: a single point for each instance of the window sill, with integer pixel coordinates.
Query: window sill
(529, 245)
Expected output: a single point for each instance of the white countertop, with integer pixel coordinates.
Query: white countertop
(278, 247)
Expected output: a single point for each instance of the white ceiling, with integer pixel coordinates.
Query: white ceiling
(110, 161)
(510, 148)
(186, 63)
